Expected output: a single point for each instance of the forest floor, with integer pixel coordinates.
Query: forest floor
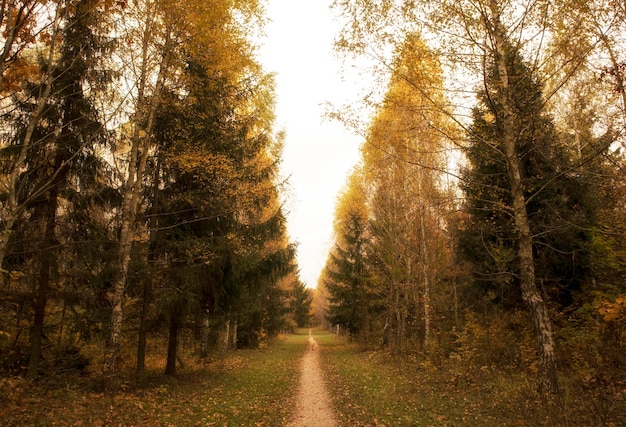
(313, 379)
(313, 406)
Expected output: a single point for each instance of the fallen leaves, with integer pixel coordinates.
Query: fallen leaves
(245, 388)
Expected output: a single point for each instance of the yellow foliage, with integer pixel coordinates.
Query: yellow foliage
(612, 311)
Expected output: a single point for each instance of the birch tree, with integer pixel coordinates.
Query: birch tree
(404, 163)
(150, 31)
(36, 88)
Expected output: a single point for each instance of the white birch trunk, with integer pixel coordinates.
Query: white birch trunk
(140, 144)
(225, 336)
(233, 338)
(12, 210)
(531, 295)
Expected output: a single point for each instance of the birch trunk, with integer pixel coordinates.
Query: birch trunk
(225, 335)
(531, 295)
(233, 337)
(140, 144)
(12, 209)
(204, 336)
(426, 268)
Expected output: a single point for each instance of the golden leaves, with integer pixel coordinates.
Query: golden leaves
(613, 311)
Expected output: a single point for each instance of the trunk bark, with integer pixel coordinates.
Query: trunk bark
(530, 293)
(140, 143)
(172, 346)
(148, 285)
(426, 270)
(45, 264)
(233, 338)
(117, 296)
(143, 329)
(225, 335)
(204, 335)
(43, 286)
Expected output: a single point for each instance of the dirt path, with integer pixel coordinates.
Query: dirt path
(314, 409)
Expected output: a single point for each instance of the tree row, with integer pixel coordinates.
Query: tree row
(140, 194)
(484, 224)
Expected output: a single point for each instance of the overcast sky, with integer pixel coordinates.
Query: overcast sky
(318, 154)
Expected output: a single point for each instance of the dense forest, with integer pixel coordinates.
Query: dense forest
(140, 192)
(484, 226)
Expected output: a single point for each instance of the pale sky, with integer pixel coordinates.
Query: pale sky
(318, 154)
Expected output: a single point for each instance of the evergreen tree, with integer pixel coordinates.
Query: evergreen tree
(346, 269)
(301, 304)
(558, 201)
(63, 159)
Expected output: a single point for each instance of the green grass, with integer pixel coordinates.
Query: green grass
(258, 388)
(245, 388)
(369, 389)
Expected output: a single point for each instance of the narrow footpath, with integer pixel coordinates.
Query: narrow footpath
(314, 408)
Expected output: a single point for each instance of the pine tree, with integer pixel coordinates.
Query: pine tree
(346, 269)
(301, 304)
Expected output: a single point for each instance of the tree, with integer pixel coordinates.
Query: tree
(58, 132)
(301, 304)
(146, 29)
(21, 123)
(404, 163)
(346, 268)
(519, 186)
(218, 215)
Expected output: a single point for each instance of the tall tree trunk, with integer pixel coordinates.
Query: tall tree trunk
(140, 144)
(148, 285)
(172, 345)
(143, 328)
(46, 253)
(43, 284)
(530, 293)
(233, 335)
(225, 336)
(426, 268)
(204, 335)
(117, 297)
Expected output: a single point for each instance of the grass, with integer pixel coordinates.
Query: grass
(369, 389)
(257, 388)
(245, 388)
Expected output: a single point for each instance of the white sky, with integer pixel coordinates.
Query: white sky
(318, 154)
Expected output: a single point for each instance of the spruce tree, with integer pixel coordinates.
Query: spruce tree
(347, 277)
(558, 203)
(63, 159)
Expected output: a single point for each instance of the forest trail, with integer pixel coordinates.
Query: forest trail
(314, 408)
